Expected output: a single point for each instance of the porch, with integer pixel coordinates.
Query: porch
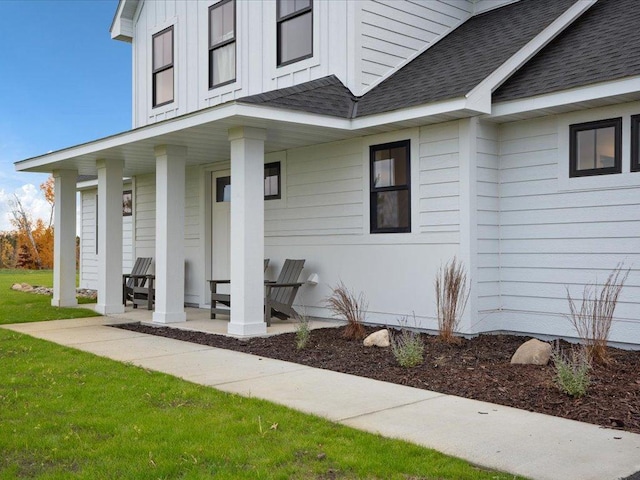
(197, 320)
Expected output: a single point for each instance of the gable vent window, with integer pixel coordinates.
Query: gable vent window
(163, 67)
(635, 143)
(295, 30)
(390, 192)
(222, 43)
(595, 148)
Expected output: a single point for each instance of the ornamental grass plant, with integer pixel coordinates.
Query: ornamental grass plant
(345, 304)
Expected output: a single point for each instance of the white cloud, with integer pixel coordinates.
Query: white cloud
(32, 200)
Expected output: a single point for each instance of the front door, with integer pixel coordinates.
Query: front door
(221, 227)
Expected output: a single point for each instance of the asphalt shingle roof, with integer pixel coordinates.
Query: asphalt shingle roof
(461, 60)
(602, 45)
(326, 96)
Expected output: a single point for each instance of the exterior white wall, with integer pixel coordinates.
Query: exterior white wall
(559, 233)
(88, 257)
(359, 42)
(392, 32)
(488, 211)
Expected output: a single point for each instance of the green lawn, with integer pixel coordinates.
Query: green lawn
(21, 307)
(69, 414)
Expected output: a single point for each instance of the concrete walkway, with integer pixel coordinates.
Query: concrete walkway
(530, 444)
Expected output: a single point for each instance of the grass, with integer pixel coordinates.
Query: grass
(21, 307)
(70, 414)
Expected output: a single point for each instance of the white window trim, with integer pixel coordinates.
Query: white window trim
(625, 179)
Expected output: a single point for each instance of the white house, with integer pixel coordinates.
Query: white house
(377, 139)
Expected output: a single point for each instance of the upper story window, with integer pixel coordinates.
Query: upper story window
(295, 30)
(595, 148)
(163, 67)
(222, 43)
(635, 143)
(390, 193)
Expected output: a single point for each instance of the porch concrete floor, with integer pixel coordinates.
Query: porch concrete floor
(530, 444)
(198, 320)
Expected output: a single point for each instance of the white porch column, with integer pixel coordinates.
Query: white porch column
(109, 236)
(64, 239)
(171, 161)
(247, 231)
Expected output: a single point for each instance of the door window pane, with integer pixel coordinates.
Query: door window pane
(272, 181)
(223, 189)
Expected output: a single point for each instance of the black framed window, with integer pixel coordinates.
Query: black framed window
(595, 148)
(635, 143)
(127, 203)
(162, 74)
(271, 184)
(390, 180)
(294, 27)
(272, 181)
(222, 43)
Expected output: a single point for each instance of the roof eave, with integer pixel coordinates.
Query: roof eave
(122, 23)
(615, 91)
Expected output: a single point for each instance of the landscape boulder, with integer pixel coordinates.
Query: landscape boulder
(21, 287)
(533, 352)
(378, 339)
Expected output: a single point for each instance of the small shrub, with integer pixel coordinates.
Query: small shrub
(407, 346)
(451, 299)
(345, 304)
(571, 371)
(303, 332)
(592, 320)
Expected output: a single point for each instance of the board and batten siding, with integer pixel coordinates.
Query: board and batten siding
(393, 32)
(553, 238)
(88, 257)
(256, 69)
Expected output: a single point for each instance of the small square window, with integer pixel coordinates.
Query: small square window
(595, 148)
(635, 143)
(390, 187)
(162, 69)
(294, 25)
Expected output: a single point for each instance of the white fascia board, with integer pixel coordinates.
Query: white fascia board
(243, 112)
(214, 114)
(122, 26)
(522, 56)
(566, 97)
(412, 113)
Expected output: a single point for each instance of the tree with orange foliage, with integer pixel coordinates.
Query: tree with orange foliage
(34, 245)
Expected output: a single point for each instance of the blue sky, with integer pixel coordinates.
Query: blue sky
(63, 81)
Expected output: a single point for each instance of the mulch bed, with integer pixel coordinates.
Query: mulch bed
(478, 368)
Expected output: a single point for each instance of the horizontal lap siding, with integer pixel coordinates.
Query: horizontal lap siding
(393, 31)
(324, 192)
(88, 257)
(488, 211)
(439, 193)
(551, 240)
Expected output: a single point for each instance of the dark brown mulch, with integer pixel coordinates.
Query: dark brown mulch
(478, 368)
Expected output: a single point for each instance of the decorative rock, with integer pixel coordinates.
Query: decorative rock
(533, 352)
(377, 339)
(17, 287)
